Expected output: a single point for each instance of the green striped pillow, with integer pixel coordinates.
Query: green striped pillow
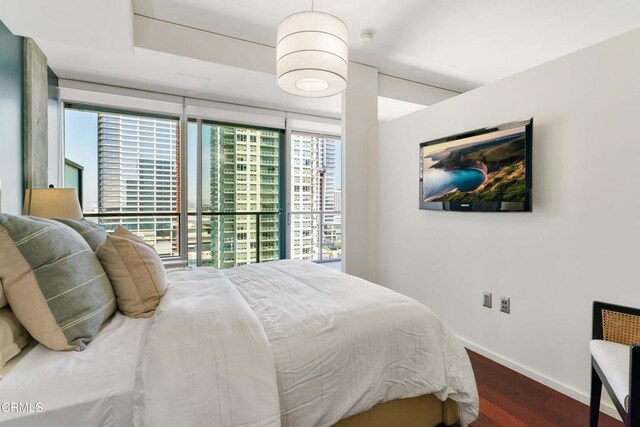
(54, 283)
(91, 232)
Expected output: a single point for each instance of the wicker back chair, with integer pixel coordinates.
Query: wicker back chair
(615, 361)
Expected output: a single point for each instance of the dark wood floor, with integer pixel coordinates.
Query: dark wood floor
(510, 399)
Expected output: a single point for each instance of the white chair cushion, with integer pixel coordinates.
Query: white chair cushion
(613, 359)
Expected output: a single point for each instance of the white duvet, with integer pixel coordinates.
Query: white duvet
(207, 361)
(291, 343)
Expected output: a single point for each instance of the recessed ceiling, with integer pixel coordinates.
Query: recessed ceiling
(161, 72)
(456, 44)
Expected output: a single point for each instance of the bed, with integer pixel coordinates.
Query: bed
(288, 343)
(94, 385)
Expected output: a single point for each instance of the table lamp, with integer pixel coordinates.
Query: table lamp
(52, 203)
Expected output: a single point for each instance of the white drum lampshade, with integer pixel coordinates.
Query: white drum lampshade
(312, 54)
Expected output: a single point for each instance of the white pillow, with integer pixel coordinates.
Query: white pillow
(13, 336)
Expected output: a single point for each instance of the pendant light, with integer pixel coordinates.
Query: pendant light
(312, 54)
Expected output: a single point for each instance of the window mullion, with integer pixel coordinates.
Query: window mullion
(199, 193)
(183, 221)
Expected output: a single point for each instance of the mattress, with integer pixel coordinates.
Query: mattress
(60, 389)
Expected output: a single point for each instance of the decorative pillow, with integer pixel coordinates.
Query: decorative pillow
(3, 297)
(91, 232)
(136, 271)
(53, 282)
(13, 336)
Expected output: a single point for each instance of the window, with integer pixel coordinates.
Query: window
(316, 217)
(240, 212)
(129, 177)
(233, 185)
(73, 177)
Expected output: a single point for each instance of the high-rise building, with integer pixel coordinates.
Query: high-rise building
(337, 199)
(244, 178)
(332, 229)
(138, 171)
(313, 166)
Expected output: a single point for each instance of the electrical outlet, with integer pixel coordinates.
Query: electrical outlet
(486, 299)
(505, 305)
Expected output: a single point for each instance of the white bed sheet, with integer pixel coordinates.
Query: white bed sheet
(89, 388)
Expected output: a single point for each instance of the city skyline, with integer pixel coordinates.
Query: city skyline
(81, 142)
(131, 164)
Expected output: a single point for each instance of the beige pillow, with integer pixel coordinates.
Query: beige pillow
(136, 272)
(3, 297)
(13, 336)
(134, 268)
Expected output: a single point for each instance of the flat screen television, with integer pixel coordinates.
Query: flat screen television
(485, 170)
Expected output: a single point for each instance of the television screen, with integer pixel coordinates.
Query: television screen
(482, 170)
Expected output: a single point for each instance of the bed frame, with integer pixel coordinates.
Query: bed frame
(422, 411)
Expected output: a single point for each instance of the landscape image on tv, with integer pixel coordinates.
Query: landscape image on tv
(481, 168)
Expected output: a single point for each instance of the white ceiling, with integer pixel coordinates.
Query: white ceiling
(92, 40)
(162, 72)
(456, 44)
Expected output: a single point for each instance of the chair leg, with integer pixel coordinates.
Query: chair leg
(596, 394)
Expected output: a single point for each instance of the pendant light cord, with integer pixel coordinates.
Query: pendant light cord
(311, 5)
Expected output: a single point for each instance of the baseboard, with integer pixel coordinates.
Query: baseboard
(605, 407)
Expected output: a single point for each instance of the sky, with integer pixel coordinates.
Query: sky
(81, 146)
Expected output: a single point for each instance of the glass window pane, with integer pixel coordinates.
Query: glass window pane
(131, 165)
(73, 178)
(332, 237)
(81, 147)
(240, 174)
(316, 186)
(269, 237)
(192, 242)
(160, 232)
(334, 178)
(232, 241)
(305, 236)
(192, 160)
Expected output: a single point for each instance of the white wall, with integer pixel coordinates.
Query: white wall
(359, 116)
(579, 244)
